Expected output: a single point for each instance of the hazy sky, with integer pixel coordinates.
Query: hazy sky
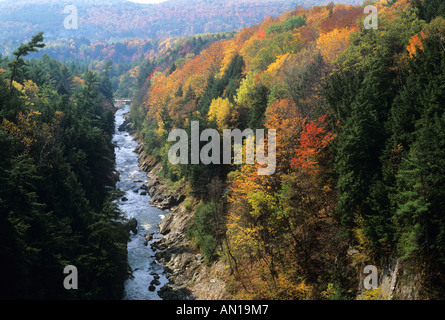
(147, 1)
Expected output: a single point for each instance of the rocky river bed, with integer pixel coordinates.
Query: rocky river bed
(165, 264)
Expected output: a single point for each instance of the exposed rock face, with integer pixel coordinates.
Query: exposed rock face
(208, 283)
(397, 283)
(127, 125)
(151, 287)
(189, 277)
(176, 253)
(166, 202)
(148, 238)
(169, 292)
(394, 282)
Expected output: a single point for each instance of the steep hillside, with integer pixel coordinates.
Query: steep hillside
(359, 123)
(105, 21)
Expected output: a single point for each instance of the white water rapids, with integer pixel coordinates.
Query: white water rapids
(140, 257)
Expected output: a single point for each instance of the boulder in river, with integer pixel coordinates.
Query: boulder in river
(115, 176)
(155, 282)
(133, 225)
(148, 238)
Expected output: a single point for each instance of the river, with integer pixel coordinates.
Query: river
(140, 257)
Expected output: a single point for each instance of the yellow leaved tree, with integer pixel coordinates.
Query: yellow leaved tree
(330, 44)
(220, 109)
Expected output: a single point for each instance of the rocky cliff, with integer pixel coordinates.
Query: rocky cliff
(395, 282)
(189, 277)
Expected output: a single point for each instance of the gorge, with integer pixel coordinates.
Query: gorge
(147, 273)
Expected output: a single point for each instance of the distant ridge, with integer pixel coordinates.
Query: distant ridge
(119, 19)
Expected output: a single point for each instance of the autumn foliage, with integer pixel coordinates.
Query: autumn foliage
(313, 142)
(298, 74)
(275, 85)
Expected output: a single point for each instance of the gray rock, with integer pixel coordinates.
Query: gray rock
(150, 186)
(151, 288)
(148, 238)
(133, 225)
(169, 292)
(155, 282)
(166, 202)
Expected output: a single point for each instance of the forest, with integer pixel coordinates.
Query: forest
(117, 20)
(125, 51)
(57, 180)
(360, 122)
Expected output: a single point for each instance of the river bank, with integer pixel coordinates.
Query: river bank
(183, 266)
(188, 276)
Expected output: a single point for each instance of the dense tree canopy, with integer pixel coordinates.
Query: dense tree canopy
(359, 123)
(359, 179)
(56, 162)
